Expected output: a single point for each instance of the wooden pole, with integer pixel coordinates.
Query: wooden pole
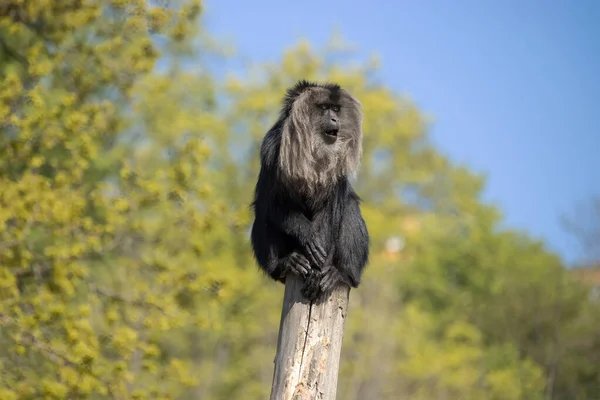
(309, 344)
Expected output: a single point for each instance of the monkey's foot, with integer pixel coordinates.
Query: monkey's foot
(329, 279)
(311, 289)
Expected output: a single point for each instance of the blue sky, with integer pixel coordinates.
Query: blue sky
(513, 86)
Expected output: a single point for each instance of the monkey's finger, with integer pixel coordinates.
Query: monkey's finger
(325, 269)
(326, 282)
(325, 289)
(319, 258)
(318, 250)
(301, 269)
(297, 257)
(330, 281)
(305, 262)
(311, 257)
(321, 251)
(330, 286)
(300, 264)
(310, 254)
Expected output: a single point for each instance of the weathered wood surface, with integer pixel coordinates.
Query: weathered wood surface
(309, 344)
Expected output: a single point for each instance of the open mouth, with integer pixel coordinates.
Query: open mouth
(332, 132)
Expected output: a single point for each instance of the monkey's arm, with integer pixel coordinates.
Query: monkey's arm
(273, 255)
(295, 224)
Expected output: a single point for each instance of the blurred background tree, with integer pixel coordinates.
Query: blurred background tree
(127, 166)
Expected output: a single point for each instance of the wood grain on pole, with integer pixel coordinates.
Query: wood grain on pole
(309, 344)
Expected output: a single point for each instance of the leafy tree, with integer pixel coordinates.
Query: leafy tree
(103, 208)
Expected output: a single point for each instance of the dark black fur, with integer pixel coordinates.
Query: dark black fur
(320, 235)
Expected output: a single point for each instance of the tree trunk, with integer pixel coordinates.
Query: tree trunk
(309, 344)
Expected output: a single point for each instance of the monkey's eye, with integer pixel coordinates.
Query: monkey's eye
(336, 108)
(323, 106)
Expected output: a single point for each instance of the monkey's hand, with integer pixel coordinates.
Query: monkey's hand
(330, 277)
(300, 228)
(314, 251)
(297, 264)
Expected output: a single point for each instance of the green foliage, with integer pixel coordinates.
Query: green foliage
(126, 171)
(99, 235)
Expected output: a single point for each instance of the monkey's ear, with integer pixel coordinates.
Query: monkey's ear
(352, 101)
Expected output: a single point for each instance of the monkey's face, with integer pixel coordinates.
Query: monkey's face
(326, 115)
(335, 125)
(327, 122)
